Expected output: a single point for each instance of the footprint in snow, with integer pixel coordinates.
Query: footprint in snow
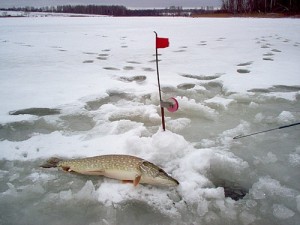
(133, 62)
(128, 68)
(202, 77)
(221, 39)
(186, 86)
(148, 69)
(275, 50)
(88, 61)
(245, 64)
(243, 71)
(137, 79)
(268, 59)
(89, 53)
(180, 50)
(268, 54)
(110, 68)
(265, 46)
(102, 56)
(203, 43)
(277, 88)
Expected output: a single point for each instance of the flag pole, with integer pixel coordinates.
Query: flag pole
(159, 89)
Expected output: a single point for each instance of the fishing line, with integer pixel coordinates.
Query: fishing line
(265, 131)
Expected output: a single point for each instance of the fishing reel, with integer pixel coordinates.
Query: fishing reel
(171, 104)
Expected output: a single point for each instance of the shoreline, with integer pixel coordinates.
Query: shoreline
(17, 14)
(246, 15)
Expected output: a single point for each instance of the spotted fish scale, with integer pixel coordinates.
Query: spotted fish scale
(129, 169)
(102, 163)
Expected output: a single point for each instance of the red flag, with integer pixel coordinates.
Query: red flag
(162, 42)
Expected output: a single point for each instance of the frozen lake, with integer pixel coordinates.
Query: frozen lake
(79, 87)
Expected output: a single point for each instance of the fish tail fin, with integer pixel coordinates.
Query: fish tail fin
(50, 163)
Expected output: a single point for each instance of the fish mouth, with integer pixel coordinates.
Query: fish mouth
(174, 182)
(170, 182)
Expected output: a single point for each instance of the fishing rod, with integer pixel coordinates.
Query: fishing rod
(264, 131)
(159, 89)
(172, 104)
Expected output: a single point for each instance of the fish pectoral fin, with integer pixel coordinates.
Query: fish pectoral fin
(127, 181)
(137, 180)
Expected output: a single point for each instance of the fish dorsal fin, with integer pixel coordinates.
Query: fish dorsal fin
(149, 168)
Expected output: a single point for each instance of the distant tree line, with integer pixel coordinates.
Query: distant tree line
(264, 6)
(114, 10)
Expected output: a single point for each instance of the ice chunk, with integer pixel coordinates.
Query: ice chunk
(267, 186)
(37, 176)
(202, 208)
(115, 193)
(247, 218)
(285, 117)
(290, 96)
(294, 159)
(178, 124)
(258, 194)
(226, 163)
(253, 105)
(192, 171)
(219, 101)
(32, 189)
(212, 218)
(11, 189)
(227, 135)
(14, 177)
(65, 195)
(282, 212)
(270, 158)
(227, 208)
(298, 150)
(251, 203)
(169, 142)
(259, 118)
(87, 191)
(161, 148)
(298, 202)
(214, 193)
(192, 107)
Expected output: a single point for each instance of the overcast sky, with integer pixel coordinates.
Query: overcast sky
(127, 3)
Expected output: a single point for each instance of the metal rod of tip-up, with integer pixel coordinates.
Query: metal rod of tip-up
(160, 43)
(265, 131)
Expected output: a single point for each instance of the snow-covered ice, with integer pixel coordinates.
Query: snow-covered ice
(78, 87)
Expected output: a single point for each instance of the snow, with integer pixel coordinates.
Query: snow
(282, 212)
(230, 76)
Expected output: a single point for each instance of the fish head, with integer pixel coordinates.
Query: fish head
(152, 174)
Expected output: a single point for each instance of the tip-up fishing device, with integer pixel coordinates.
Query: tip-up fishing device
(265, 131)
(171, 104)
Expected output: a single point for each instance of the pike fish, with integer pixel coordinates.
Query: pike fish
(127, 168)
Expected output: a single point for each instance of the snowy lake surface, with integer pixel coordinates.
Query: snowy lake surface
(79, 87)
